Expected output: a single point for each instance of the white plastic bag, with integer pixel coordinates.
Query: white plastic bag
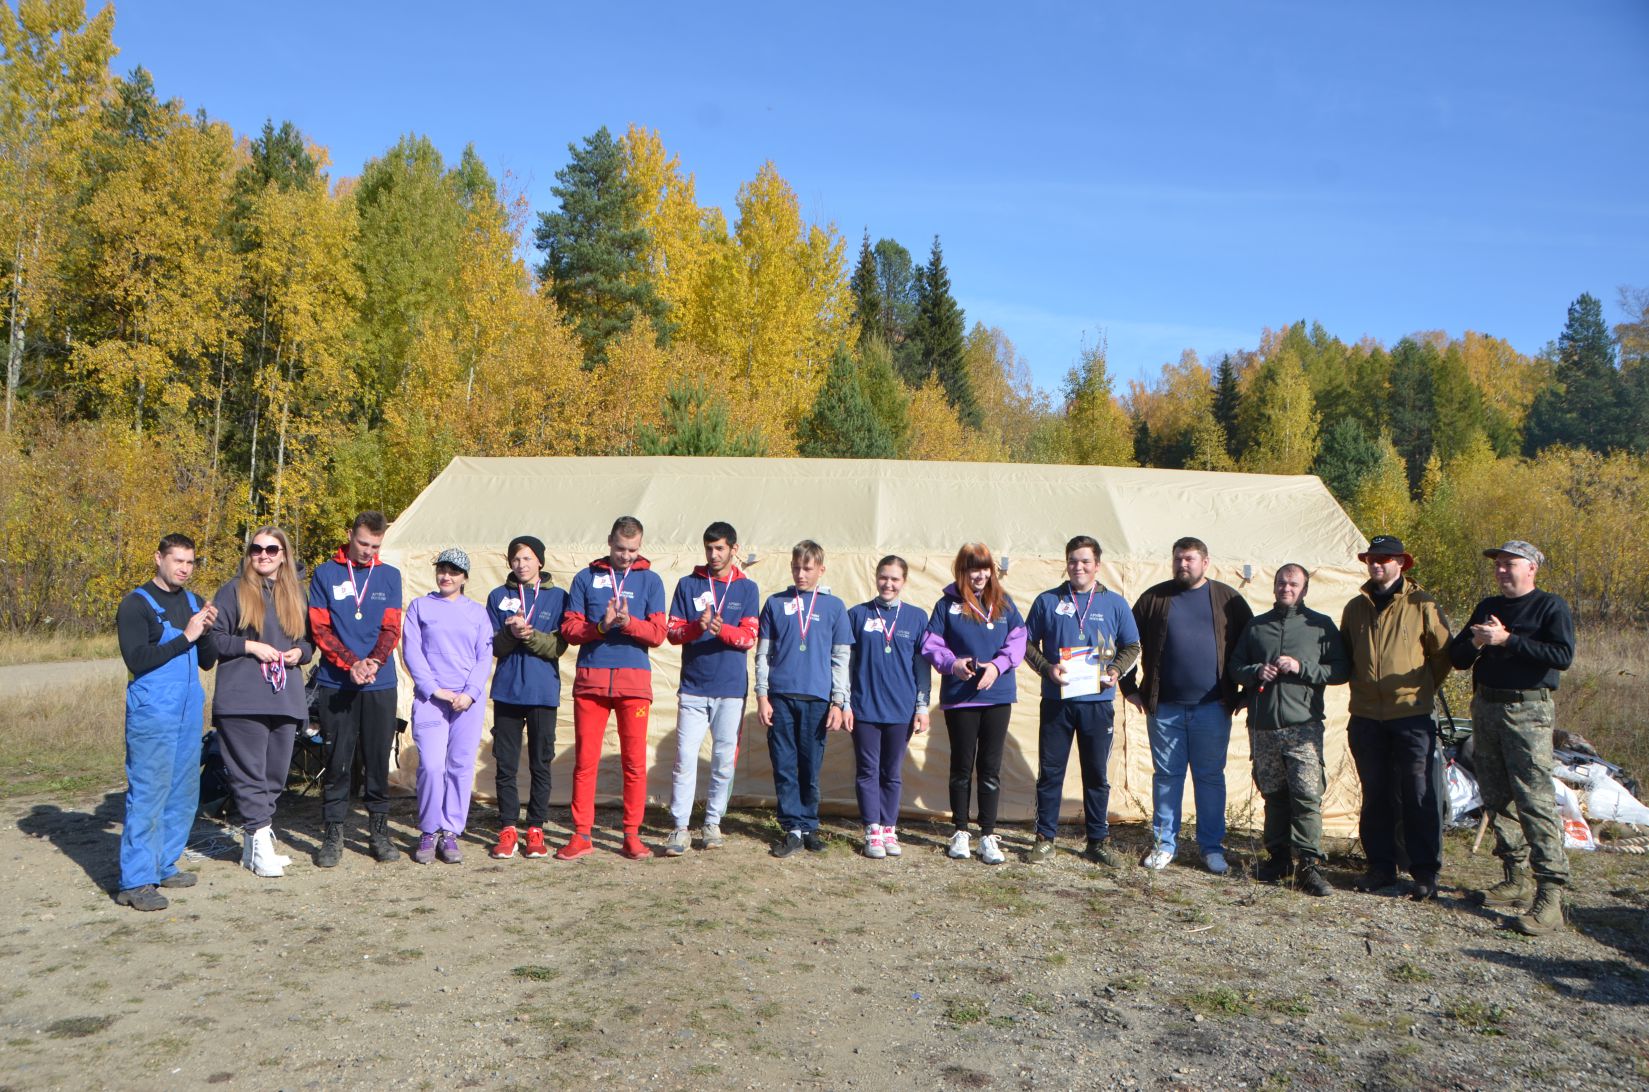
(1608, 800)
(1577, 833)
(1464, 797)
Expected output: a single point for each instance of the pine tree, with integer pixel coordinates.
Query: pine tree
(937, 338)
(1411, 405)
(1587, 404)
(696, 423)
(1227, 404)
(1347, 456)
(842, 424)
(595, 248)
(867, 300)
(896, 276)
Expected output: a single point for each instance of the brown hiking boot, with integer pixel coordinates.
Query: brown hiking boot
(1512, 891)
(1546, 915)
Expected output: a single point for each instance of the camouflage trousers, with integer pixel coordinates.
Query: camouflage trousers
(1288, 770)
(1512, 755)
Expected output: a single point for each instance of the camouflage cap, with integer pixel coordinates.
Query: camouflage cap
(1517, 548)
(456, 558)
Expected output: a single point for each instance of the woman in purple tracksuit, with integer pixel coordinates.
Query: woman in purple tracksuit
(975, 640)
(890, 686)
(446, 644)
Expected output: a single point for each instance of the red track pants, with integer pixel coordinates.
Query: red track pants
(590, 713)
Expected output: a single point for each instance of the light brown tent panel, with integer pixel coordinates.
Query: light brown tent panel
(860, 510)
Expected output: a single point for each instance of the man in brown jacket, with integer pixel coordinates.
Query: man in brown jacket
(1188, 627)
(1398, 642)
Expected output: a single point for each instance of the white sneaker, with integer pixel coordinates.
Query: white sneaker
(275, 847)
(990, 849)
(1158, 859)
(959, 846)
(264, 861)
(890, 842)
(874, 848)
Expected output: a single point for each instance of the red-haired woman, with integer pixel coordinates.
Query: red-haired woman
(259, 701)
(975, 640)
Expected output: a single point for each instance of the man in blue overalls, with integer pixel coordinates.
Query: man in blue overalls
(160, 627)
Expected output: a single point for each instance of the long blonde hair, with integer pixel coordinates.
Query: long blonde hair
(289, 599)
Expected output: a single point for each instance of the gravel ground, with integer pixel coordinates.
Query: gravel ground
(732, 970)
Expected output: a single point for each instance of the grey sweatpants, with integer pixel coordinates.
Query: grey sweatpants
(257, 753)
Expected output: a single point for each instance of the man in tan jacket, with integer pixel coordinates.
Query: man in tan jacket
(1397, 640)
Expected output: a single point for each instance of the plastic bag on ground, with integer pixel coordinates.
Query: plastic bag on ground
(1577, 833)
(1464, 797)
(1607, 799)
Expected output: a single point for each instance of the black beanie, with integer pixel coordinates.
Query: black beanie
(531, 543)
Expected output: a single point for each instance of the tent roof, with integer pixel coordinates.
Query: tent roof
(872, 505)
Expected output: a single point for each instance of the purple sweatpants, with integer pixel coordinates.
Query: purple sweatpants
(447, 743)
(880, 753)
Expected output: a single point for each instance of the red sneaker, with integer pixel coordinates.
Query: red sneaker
(577, 846)
(535, 846)
(505, 849)
(635, 849)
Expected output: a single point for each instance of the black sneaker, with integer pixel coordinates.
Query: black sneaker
(180, 879)
(1375, 879)
(791, 843)
(142, 898)
(1271, 869)
(813, 842)
(332, 846)
(1424, 888)
(1099, 851)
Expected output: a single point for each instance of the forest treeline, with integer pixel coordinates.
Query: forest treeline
(208, 330)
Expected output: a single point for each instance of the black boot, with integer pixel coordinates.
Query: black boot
(377, 833)
(332, 846)
(1308, 880)
(1273, 868)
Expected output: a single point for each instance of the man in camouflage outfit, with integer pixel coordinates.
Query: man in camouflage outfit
(1285, 658)
(1516, 643)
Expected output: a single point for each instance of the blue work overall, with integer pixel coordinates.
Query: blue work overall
(165, 713)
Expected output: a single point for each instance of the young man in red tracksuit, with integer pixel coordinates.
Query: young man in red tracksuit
(615, 613)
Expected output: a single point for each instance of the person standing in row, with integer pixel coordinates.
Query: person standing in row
(526, 691)
(1398, 643)
(1516, 644)
(160, 626)
(261, 639)
(1286, 658)
(355, 621)
(447, 650)
(803, 651)
(615, 614)
(1094, 624)
(713, 617)
(975, 639)
(1188, 627)
(890, 683)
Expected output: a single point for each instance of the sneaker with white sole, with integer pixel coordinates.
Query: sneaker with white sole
(890, 842)
(990, 849)
(712, 836)
(873, 842)
(1158, 859)
(1214, 861)
(960, 848)
(677, 843)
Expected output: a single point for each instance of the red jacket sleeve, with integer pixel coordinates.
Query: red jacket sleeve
(682, 631)
(320, 626)
(650, 631)
(389, 635)
(741, 636)
(578, 629)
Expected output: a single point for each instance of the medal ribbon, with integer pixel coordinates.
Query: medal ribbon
(1082, 622)
(887, 630)
(726, 590)
(275, 675)
(526, 611)
(983, 617)
(803, 616)
(360, 593)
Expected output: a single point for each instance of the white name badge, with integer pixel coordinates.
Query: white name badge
(791, 607)
(342, 591)
(509, 603)
(874, 625)
(1067, 609)
(602, 582)
(956, 608)
(702, 601)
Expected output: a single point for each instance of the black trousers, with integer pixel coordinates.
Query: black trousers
(977, 736)
(257, 753)
(351, 721)
(1393, 760)
(508, 721)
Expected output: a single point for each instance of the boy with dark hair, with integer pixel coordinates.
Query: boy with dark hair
(713, 617)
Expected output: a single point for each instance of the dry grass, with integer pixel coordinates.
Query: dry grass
(63, 741)
(41, 648)
(1602, 696)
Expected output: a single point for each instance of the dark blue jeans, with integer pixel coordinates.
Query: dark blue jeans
(1090, 722)
(795, 746)
(1393, 760)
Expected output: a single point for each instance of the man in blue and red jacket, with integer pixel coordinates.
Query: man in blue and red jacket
(713, 618)
(355, 618)
(615, 613)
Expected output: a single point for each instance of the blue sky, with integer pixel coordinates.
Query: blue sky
(1163, 176)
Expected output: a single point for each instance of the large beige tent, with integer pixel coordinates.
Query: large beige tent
(860, 510)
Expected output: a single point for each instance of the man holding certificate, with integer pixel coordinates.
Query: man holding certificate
(1082, 638)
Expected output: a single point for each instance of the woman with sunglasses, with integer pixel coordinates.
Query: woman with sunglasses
(259, 699)
(975, 640)
(446, 644)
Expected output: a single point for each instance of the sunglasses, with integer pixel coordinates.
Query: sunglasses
(271, 549)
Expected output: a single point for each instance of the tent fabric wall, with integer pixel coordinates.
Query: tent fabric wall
(861, 510)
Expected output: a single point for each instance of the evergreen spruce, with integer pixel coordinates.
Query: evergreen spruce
(695, 423)
(867, 299)
(1348, 455)
(1587, 404)
(1227, 403)
(936, 339)
(842, 423)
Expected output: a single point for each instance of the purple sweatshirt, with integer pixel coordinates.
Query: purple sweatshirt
(446, 644)
(954, 633)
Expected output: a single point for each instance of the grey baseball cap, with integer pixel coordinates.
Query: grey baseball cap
(455, 557)
(1517, 548)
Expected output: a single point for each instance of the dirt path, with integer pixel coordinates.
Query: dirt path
(19, 678)
(730, 969)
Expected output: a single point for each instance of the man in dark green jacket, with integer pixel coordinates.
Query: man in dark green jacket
(1286, 657)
